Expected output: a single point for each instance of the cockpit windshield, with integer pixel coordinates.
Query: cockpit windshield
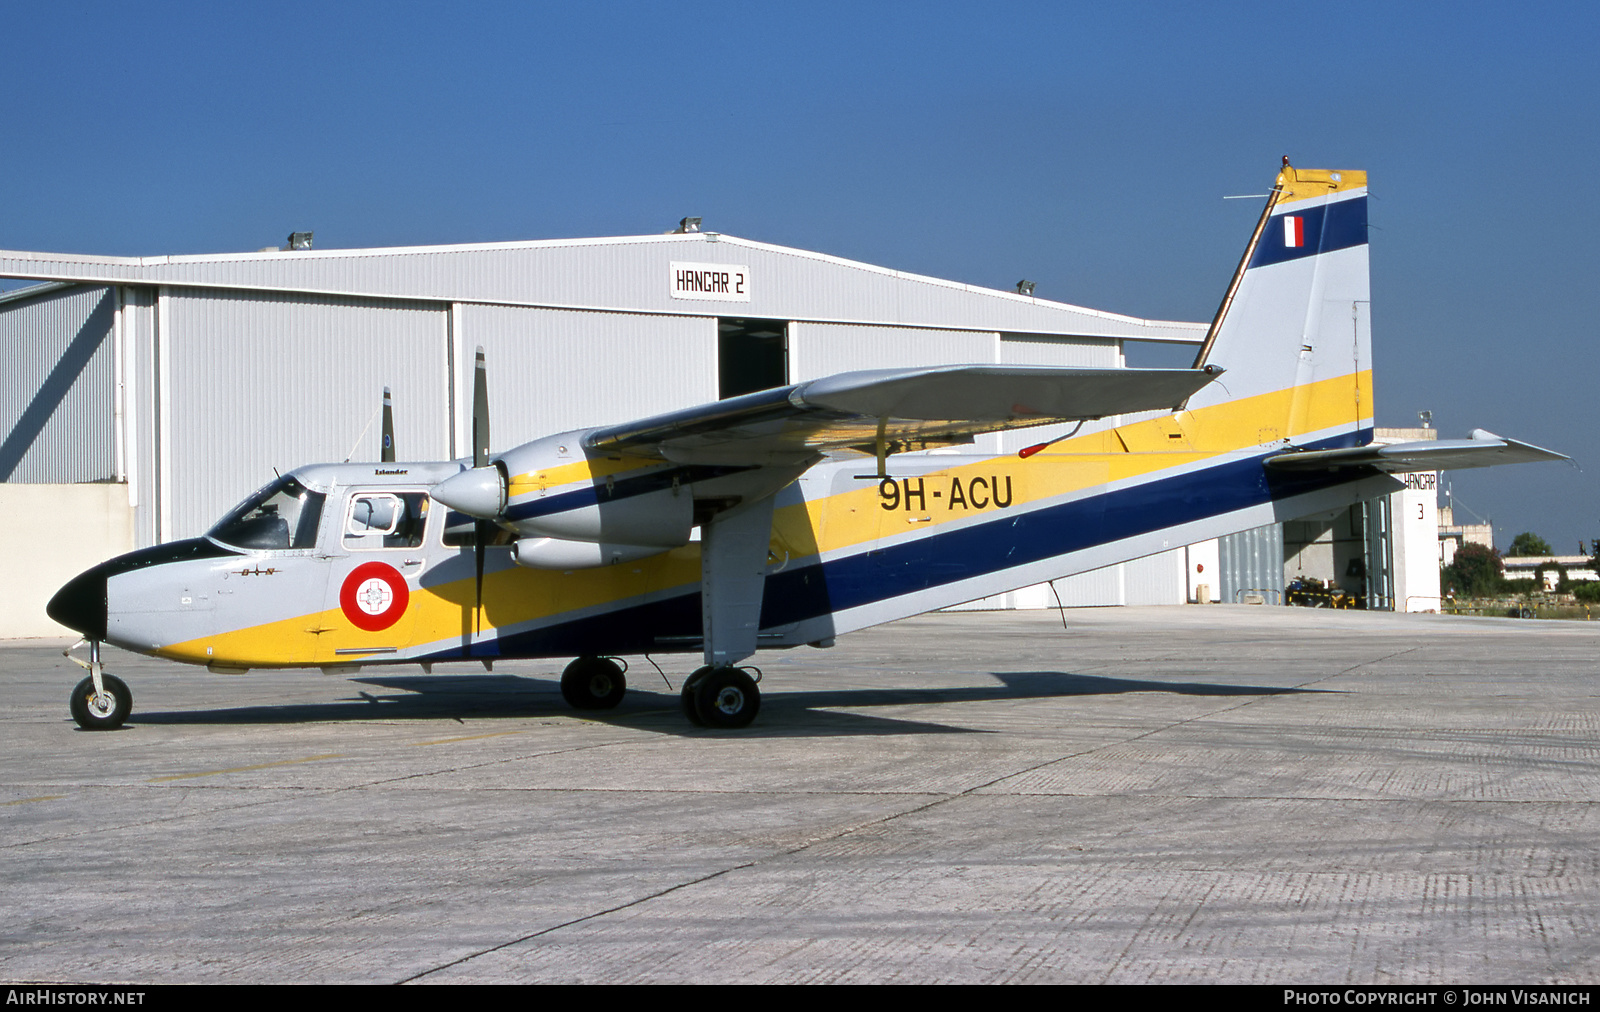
(284, 514)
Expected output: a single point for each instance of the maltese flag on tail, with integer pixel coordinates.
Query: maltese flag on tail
(1294, 231)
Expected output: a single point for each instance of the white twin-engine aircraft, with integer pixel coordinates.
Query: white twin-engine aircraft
(581, 544)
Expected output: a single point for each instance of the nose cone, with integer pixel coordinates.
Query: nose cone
(81, 604)
(480, 492)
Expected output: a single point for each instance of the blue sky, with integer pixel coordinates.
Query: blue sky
(1086, 147)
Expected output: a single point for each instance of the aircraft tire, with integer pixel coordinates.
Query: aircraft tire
(726, 698)
(686, 696)
(593, 683)
(97, 715)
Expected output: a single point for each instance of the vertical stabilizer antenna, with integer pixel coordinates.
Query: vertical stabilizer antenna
(1238, 274)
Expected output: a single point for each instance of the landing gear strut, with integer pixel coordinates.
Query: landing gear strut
(720, 697)
(593, 683)
(100, 702)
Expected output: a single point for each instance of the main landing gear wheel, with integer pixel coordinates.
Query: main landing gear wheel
(101, 712)
(593, 683)
(721, 698)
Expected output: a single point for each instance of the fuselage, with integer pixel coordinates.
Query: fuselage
(356, 564)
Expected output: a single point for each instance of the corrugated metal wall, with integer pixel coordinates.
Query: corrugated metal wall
(257, 381)
(1155, 579)
(553, 369)
(138, 332)
(1252, 561)
(56, 403)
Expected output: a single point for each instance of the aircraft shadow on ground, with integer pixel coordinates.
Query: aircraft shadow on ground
(783, 714)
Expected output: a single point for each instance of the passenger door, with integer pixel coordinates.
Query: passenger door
(375, 556)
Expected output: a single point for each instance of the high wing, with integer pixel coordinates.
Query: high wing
(1481, 449)
(894, 410)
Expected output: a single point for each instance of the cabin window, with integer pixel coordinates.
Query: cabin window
(385, 520)
(282, 515)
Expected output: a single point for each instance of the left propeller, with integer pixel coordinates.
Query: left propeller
(480, 492)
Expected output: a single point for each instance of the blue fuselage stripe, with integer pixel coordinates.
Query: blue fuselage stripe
(1012, 538)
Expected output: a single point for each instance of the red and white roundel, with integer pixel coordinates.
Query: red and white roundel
(374, 596)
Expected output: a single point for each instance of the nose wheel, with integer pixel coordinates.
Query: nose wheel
(103, 710)
(720, 697)
(100, 702)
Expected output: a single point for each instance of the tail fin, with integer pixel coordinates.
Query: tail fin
(1294, 330)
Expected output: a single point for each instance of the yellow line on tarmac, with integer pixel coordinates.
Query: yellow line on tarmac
(246, 769)
(470, 737)
(42, 797)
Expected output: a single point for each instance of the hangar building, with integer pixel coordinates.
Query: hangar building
(143, 396)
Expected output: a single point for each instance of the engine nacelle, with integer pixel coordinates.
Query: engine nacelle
(557, 553)
(555, 490)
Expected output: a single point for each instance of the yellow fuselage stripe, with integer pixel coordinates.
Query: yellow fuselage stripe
(829, 523)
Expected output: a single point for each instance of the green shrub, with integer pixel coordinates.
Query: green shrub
(1587, 592)
(1476, 572)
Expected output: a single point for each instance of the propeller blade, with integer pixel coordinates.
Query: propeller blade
(388, 427)
(483, 529)
(480, 412)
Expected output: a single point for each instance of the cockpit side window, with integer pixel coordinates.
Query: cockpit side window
(386, 520)
(282, 515)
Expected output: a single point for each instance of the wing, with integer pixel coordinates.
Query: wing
(1482, 449)
(898, 408)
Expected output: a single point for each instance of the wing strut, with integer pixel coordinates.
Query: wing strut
(733, 567)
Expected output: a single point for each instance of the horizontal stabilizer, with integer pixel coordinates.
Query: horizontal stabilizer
(1483, 449)
(906, 407)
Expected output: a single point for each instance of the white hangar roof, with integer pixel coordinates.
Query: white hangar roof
(629, 274)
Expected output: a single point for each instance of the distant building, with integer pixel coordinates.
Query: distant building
(1453, 535)
(1524, 567)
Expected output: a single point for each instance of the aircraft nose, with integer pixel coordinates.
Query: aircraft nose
(81, 604)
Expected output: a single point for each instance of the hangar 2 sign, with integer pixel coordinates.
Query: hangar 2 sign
(718, 282)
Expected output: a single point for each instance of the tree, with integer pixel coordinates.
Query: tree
(1476, 571)
(1529, 544)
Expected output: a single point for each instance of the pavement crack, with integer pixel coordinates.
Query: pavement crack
(579, 920)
